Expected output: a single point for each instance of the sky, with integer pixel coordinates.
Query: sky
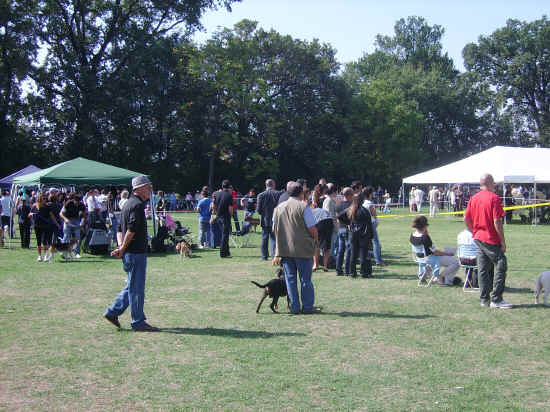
(351, 26)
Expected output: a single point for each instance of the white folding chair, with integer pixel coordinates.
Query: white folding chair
(467, 256)
(420, 257)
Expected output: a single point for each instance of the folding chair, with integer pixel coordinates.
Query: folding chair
(241, 239)
(420, 257)
(467, 256)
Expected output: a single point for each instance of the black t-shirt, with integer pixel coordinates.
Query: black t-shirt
(23, 214)
(41, 216)
(222, 203)
(423, 240)
(132, 219)
(72, 209)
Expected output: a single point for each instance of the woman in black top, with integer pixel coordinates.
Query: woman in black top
(23, 211)
(43, 217)
(361, 236)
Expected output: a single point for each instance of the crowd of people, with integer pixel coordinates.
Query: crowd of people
(303, 229)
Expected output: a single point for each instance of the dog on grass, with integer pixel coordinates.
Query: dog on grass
(543, 283)
(275, 288)
(184, 249)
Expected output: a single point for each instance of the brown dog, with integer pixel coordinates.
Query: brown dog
(184, 249)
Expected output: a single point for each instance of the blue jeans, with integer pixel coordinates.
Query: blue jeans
(376, 247)
(114, 227)
(302, 266)
(434, 261)
(215, 234)
(267, 234)
(133, 295)
(343, 248)
(71, 230)
(204, 232)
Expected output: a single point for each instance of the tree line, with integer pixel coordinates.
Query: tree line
(120, 81)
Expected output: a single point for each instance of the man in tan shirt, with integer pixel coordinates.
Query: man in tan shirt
(295, 240)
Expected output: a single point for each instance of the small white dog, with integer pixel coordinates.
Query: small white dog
(543, 282)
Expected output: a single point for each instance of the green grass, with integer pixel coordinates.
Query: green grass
(381, 344)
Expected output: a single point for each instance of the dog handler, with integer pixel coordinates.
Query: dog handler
(483, 218)
(132, 241)
(295, 240)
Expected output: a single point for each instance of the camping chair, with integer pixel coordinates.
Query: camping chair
(241, 238)
(420, 257)
(467, 256)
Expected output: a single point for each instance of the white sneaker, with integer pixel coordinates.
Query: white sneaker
(39, 259)
(501, 305)
(77, 256)
(484, 304)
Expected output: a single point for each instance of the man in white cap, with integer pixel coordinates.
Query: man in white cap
(132, 248)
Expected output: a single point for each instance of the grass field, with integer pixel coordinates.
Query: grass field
(380, 344)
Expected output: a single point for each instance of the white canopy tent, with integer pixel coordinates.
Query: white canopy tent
(505, 164)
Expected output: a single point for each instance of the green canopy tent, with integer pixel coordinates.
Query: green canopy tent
(76, 172)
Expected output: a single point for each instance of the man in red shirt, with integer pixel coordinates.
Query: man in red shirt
(483, 218)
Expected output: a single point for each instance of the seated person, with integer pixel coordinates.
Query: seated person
(435, 258)
(465, 238)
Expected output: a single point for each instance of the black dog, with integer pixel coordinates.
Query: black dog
(275, 288)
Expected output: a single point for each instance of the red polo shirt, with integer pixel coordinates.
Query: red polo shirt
(482, 208)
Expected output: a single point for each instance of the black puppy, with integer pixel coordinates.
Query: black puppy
(275, 288)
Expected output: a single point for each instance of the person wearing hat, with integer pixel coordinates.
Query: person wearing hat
(132, 248)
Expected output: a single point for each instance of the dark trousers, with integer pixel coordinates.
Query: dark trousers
(344, 248)
(267, 234)
(491, 282)
(226, 232)
(25, 233)
(360, 246)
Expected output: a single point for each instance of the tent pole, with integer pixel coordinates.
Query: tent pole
(535, 201)
(504, 198)
(10, 225)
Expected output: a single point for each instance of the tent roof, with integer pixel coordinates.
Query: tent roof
(7, 181)
(506, 164)
(79, 171)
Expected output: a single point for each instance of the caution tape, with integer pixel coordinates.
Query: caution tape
(462, 211)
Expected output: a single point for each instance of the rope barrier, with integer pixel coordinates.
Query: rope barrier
(461, 212)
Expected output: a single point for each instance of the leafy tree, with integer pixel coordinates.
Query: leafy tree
(516, 60)
(89, 44)
(18, 49)
(273, 103)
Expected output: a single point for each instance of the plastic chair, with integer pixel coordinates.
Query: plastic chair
(420, 257)
(467, 256)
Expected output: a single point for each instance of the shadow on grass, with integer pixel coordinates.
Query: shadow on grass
(230, 333)
(396, 276)
(518, 290)
(376, 315)
(529, 306)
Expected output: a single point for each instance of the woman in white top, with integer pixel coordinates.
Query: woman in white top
(123, 198)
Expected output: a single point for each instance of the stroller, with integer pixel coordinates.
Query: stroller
(173, 232)
(97, 240)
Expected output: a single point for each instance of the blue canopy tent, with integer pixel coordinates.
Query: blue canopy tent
(7, 181)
